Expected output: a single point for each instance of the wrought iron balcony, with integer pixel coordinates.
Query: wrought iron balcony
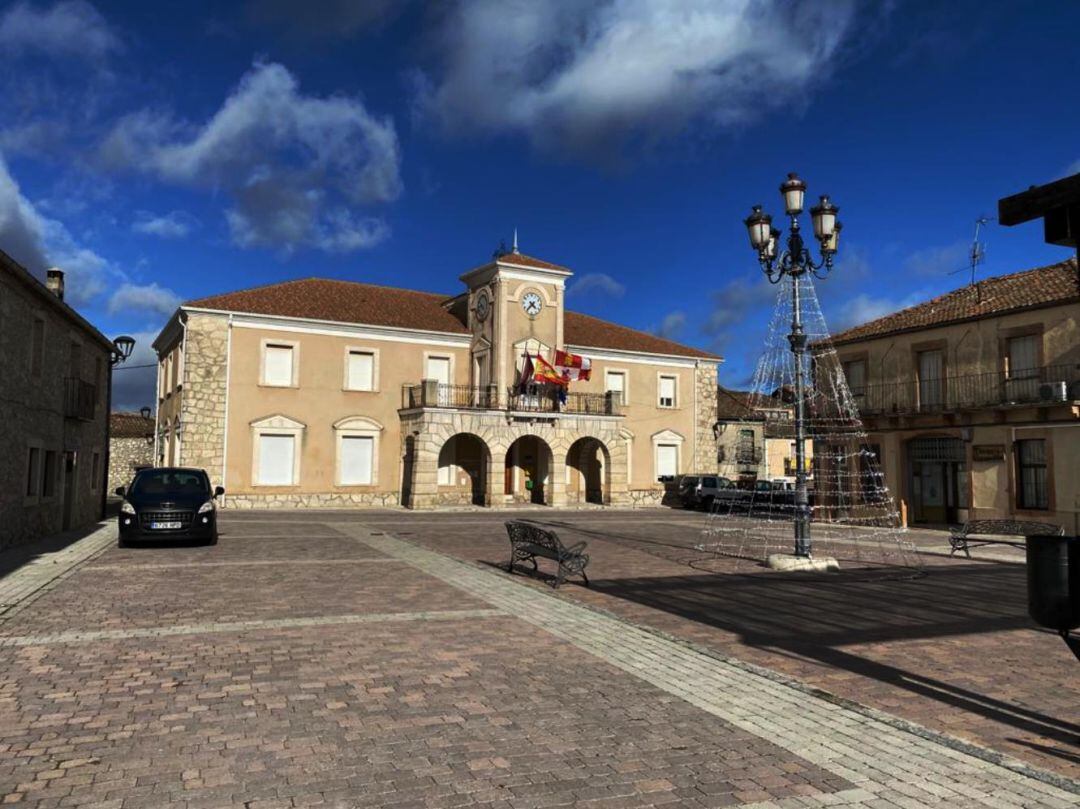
(542, 399)
(1046, 386)
(744, 454)
(80, 399)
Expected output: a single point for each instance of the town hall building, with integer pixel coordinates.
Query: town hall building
(328, 393)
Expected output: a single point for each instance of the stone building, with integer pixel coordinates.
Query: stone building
(54, 370)
(332, 393)
(972, 399)
(755, 437)
(131, 446)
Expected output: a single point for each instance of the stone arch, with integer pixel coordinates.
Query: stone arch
(463, 468)
(529, 470)
(588, 468)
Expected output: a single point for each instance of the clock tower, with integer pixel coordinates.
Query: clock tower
(515, 304)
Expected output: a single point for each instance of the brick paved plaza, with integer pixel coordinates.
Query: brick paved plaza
(381, 659)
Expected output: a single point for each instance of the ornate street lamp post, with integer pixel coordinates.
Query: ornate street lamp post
(795, 261)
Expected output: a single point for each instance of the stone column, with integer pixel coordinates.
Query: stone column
(425, 472)
(494, 482)
(706, 393)
(557, 480)
(618, 479)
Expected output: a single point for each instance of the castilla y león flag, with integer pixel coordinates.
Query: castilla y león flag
(572, 366)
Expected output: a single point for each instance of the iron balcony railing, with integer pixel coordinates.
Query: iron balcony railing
(80, 399)
(745, 454)
(1049, 385)
(542, 399)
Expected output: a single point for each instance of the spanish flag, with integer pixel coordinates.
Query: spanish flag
(545, 372)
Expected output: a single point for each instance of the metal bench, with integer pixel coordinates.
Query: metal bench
(528, 541)
(961, 538)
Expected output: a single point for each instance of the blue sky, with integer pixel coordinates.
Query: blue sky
(163, 151)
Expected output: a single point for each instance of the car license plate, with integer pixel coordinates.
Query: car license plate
(165, 526)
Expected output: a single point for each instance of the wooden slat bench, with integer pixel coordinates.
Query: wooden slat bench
(976, 533)
(528, 541)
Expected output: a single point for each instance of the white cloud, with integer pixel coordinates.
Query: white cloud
(1072, 168)
(582, 75)
(863, 308)
(671, 326)
(143, 299)
(939, 261)
(38, 242)
(70, 28)
(21, 227)
(599, 282)
(295, 167)
(173, 225)
(736, 301)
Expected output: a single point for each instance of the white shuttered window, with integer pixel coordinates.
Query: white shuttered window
(667, 391)
(361, 370)
(357, 454)
(667, 460)
(277, 459)
(278, 365)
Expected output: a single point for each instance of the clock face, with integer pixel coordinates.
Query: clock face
(532, 304)
(483, 306)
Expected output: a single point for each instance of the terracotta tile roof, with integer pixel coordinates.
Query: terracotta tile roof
(521, 260)
(342, 302)
(529, 261)
(734, 405)
(353, 302)
(130, 425)
(744, 405)
(1042, 286)
(592, 332)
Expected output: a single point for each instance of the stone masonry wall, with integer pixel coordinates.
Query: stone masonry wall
(705, 380)
(125, 454)
(202, 413)
(250, 502)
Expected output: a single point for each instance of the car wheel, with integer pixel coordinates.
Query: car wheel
(212, 540)
(707, 504)
(122, 543)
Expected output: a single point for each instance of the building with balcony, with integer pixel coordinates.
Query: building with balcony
(53, 375)
(332, 393)
(755, 437)
(972, 399)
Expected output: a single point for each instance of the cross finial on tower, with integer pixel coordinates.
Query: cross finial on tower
(515, 242)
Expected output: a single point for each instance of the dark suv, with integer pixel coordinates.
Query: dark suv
(169, 503)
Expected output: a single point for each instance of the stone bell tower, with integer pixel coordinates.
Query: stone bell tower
(515, 304)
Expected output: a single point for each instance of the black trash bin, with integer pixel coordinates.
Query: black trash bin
(1053, 571)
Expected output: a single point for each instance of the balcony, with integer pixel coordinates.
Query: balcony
(742, 454)
(80, 399)
(1040, 387)
(540, 400)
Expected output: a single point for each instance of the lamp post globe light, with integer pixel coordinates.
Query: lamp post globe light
(795, 261)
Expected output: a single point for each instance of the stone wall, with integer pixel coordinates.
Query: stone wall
(32, 411)
(323, 500)
(705, 382)
(202, 411)
(125, 455)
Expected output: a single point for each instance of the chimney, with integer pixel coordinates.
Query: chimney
(54, 282)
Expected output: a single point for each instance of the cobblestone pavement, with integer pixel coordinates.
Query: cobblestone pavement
(954, 650)
(379, 672)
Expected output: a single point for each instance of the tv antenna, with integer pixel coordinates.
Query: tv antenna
(977, 252)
